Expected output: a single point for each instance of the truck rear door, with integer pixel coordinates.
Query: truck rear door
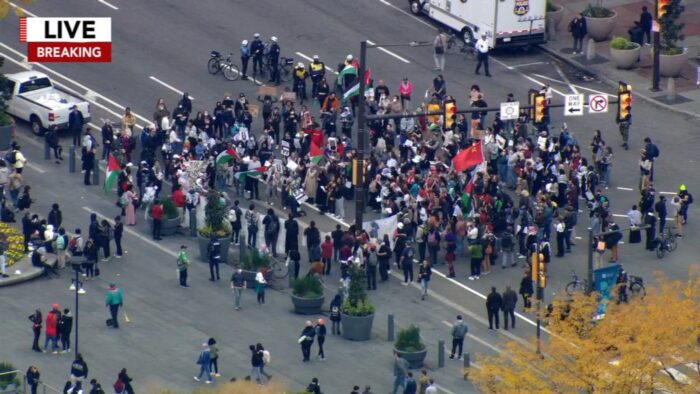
(519, 22)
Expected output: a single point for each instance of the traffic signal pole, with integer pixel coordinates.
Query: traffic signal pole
(361, 141)
(655, 75)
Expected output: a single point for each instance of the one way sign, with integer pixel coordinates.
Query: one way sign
(573, 105)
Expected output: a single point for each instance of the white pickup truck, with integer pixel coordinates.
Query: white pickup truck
(32, 97)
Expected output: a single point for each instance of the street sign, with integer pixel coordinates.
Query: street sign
(573, 105)
(510, 110)
(597, 103)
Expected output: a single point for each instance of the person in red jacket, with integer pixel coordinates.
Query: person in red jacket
(157, 215)
(327, 254)
(52, 319)
(178, 197)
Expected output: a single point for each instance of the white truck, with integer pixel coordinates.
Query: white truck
(32, 97)
(506, 23)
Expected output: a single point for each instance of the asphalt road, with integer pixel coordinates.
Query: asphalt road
(171, 41)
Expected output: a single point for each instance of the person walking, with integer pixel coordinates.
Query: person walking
(157, 216)
(214, 253)
(213, 357)
(411, 384)
(256, 363)
(271, 224)
(510, 299)
(238, 283)
(526, 291)
(183, 261)
(327, 255)
(88, 165)
(439, 45)
(306, 340)
(476, 250)
(203, 362)
(578, 30)
(335, 314)
(646, 22)
(260, 285)
(400, 371)
(291, 234)
(252, 218)
(118, 232)
(126, 381)
(321, 338)
(407, 264)
(459, 331)
(37, 321)
(482, 53)
(76, 122)
(494, 304)
(661, 212)
(51, 329)
(65, 326)
(33, 377)
(78, 372)
(96, 387)
(424, 273)
(114, 298)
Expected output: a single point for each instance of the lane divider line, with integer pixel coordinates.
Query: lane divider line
(171, 87)
(389, 52)
(109, 5)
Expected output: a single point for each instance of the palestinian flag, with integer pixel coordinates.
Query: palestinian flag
(355, 90)
(226, 156)
(315, 153)
(252, 173)
(348, 70)
(111, 172)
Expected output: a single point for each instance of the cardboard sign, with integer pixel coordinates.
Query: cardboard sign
(289, 96)
(254, 110)
(267, 91)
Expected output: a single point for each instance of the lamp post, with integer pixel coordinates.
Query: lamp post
(77, 287)
(361, 131)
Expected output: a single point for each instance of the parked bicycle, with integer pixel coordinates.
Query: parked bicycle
(666, 243)
(217, 63)
(576, 285)
(285, 65)
(636, 286)
(279, 269)
(465, 46)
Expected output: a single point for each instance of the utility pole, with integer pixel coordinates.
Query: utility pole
(361, 140)
(656, 29)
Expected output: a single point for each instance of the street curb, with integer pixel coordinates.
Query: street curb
(613, 83)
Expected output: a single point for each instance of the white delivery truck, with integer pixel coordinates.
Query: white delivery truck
(32, 97)
(506, 23)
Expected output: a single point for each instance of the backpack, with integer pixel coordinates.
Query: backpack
(119, 386)
(432, 239)
(123, 200)
(654, 151)
(506, 241)
(61, 242)
(11, 157)
(73, 246)
(439, 48)
(273, 225)
(690, 198)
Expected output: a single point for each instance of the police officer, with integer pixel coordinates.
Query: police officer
(482, 52)
(274, 55)
(256, 50)
(317, 70)
(300, 75)
(245, 57)
(214, 251)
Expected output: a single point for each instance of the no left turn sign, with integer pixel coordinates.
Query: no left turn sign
(597, 103)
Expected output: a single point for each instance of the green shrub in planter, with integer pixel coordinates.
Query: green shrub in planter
(356, 303)
(170, 210)
(215, 213)
(597, 11)
(671, 30)
(408, 340)
(307, 287)
(254, 260)
(8, 379)
(622, 43)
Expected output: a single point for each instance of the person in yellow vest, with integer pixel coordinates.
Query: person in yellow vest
(300, 75)
(317, 70)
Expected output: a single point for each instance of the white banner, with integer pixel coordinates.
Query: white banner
(377, 228)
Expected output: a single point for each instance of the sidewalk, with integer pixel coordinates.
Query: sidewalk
(688, 92)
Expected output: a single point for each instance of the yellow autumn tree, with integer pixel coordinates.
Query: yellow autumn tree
(5, 7)
(631, 350)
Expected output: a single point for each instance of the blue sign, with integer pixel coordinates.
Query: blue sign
(604, 280)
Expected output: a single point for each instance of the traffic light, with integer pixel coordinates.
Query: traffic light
(539, 269)
(624, 101)
(542, 271)
(357, 168)
(450, 115)
(540, 108)
(531, 100)
(662, 8)
(434, 107)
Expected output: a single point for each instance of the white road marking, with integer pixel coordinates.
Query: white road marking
(108, 5)
(576, 86)
(529, 64)
(617, 215)
(566, 80)
(476, 339)
(408, 13)
(24, 10)
(35, 167)
(311, 60)
(669, 193)
(529, 78)
(578, 238)
(443, 390)
(171, 87)
(629, 189)
(389, 52)
(133, 233)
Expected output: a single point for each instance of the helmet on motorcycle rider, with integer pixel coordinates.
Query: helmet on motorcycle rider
(273, 39)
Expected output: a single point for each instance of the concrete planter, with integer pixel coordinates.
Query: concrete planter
(672, 65)
(11, 389)
(555, 17)
(307, 306)
(357, 328)
(204, 244)
(415, 359)
(169, 227)
(600, 29)
(625, 58)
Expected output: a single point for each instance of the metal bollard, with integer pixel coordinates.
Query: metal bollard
(441, 353)
(71, 159)
(390, 328)
(47, 150)
(96, 173)
(467, 365)
(193, 222)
